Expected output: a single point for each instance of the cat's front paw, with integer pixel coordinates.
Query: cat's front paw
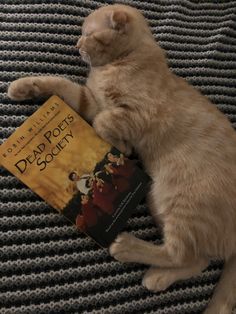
(105, 127)
(25, 88)
(123, 248)
(124, 148)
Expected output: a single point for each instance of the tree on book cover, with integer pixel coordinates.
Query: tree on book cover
(61, 158)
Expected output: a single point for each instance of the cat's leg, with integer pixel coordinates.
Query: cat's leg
(175, 252)
(159, 279)
(79, 97)
(128, 248)
(114, 126)
(224, 296)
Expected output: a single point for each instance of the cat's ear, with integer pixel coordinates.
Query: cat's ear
(118, 19)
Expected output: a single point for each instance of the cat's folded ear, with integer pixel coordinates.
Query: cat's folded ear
(119, 19)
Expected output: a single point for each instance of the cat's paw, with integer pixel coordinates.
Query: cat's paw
(218, 309)
(105, 127)
(25, 88)
(158, 279)
(123, 248)
(124, 148)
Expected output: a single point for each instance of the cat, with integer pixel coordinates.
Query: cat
(186, 145)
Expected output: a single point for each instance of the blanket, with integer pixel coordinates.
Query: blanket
(46, 266)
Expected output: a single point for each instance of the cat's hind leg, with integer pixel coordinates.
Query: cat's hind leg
(224, 296)
(128, 248)
(170, 254)
(159, 279)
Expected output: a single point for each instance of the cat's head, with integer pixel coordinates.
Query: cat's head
(111, 32)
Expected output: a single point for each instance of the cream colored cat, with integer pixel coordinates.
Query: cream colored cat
(187, 146)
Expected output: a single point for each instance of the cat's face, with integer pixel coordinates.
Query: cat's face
(110, 32)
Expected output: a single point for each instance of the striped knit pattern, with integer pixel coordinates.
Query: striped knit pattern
(45, 265)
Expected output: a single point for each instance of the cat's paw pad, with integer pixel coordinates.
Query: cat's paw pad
(24, 88)
(122, 248)
(156, 280)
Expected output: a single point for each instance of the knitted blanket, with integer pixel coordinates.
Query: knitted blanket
(46, 266)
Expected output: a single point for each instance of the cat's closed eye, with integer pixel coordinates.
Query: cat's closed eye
(87, 34)
(104, 37)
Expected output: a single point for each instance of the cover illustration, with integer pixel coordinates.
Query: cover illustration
(61, 158)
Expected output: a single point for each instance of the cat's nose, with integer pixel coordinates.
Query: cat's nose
(79, 43)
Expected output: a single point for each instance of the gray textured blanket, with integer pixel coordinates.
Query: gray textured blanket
(45, 265)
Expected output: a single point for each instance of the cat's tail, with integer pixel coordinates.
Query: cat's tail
(224, 297)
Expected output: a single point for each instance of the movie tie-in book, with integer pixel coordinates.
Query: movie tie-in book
(60, 157)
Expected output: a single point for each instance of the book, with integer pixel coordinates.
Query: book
(60, 157)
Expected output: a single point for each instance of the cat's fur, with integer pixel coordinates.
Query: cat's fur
(187, 146)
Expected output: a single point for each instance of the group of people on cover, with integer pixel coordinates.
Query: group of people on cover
(100, 190)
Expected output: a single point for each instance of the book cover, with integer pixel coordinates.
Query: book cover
(60, 157)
